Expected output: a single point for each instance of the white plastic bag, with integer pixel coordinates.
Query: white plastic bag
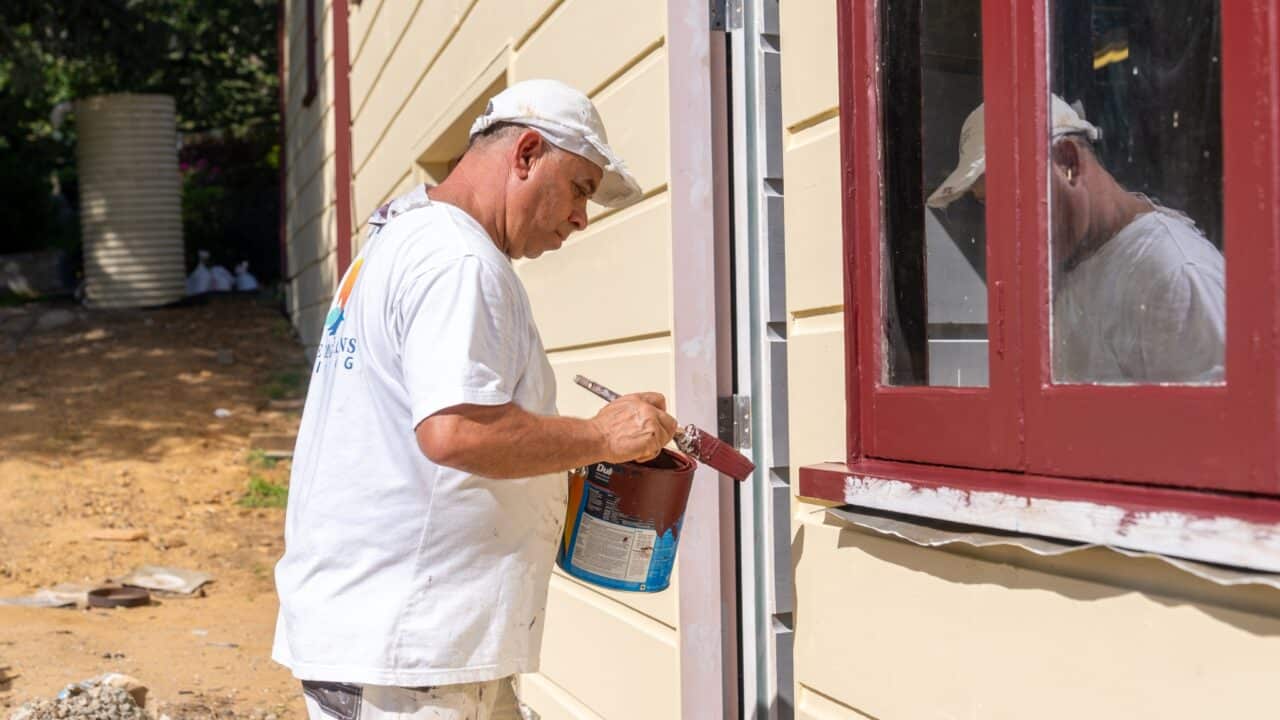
(245, 281)
(200, 280)
(222, 279)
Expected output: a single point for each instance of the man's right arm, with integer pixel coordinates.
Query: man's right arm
(506, 441)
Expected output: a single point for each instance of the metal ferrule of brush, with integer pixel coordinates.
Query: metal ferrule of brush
(687, 440)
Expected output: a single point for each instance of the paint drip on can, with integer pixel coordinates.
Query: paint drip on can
(624, 521)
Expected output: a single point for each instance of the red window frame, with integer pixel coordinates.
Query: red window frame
(967, 427)
(1221, 438)
(1065, 440)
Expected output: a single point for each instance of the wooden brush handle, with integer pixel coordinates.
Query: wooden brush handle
(600, 391)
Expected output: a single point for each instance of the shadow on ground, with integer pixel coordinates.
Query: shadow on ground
(104, 385)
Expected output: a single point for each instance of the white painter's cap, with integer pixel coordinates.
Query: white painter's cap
(568, 120)
(973, 148)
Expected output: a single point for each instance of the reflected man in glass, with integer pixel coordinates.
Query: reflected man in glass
(1139, 293)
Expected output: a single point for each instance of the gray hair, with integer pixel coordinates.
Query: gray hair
(495, 133)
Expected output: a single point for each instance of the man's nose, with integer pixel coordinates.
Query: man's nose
(578, 218)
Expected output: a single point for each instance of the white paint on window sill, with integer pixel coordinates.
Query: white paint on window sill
(1222, 540)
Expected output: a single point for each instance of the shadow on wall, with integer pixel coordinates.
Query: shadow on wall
(141, 385)
(311, 223)
(1086, 575)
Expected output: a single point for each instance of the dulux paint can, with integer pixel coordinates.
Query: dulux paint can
(623, 522)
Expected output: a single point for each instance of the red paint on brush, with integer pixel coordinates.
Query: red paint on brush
(714, 452)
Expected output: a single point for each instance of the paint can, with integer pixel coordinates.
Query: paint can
(623, 522)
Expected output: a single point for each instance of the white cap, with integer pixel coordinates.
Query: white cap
(567, 119)
(973, 149)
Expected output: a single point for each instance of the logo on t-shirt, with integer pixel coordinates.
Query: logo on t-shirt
(339, 311)
(338, 349)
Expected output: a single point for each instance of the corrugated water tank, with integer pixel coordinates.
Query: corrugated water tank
(130, 200)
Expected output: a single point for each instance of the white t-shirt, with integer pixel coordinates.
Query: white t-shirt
(1148, 306)
(398, 571)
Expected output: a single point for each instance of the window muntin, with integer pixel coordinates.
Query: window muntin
(934, 281)
(1137, 276)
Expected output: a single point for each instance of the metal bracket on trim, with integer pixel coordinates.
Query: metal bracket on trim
(733, 415)
(726, 15)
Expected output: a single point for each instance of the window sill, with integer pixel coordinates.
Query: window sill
(1234, 530)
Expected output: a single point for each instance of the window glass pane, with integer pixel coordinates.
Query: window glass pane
(935, 296)
(1138, 279)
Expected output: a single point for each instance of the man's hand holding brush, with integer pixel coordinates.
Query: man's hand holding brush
(692, 440)
(634, 427)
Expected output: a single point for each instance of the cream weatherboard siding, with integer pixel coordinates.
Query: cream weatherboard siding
(311, 229)
(420, 72)
(886, 629)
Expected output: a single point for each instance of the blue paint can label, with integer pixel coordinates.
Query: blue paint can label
(624, 523)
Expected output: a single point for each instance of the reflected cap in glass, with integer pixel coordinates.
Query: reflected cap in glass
(973, 149)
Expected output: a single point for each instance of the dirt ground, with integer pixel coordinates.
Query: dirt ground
(107, 421)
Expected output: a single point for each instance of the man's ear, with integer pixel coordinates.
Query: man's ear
(527, 149)
(1066, 158)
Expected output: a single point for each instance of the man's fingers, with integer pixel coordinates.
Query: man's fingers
(639, 425)
(668, 424)
(652, 398)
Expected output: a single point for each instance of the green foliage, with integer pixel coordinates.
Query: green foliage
(286, 384)
(32, 154)
(9, 299)
(282, 329)
(258, 458)
(263, 493)
(230, 201)
(201, 202)
(218, 59)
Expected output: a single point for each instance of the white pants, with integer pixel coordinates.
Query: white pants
(493, 700)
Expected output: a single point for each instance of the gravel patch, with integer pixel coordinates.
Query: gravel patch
(94, 703)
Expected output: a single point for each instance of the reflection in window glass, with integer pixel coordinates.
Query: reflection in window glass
(1135, 188)
(935, 297)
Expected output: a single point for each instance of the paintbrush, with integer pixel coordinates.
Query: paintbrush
(693, 440)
